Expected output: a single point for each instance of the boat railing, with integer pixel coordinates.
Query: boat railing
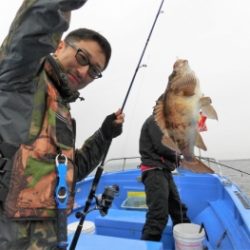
(120, 164)
(125, 162)
(132, 162)
(228, 174)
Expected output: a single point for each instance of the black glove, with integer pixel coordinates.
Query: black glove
(109, 128)
(67, 5)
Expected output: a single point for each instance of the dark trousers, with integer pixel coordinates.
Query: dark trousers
(162, 199)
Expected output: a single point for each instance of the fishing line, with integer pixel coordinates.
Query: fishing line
(222, 164)
(100, 168)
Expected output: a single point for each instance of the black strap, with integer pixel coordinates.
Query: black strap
(74, 128)
(7, 151)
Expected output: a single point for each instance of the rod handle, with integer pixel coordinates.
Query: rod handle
(62, 241)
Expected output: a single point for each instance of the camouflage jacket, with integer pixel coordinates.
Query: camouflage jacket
(35, 33)
(33, 179)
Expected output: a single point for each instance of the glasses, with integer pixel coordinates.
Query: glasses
(82, 58)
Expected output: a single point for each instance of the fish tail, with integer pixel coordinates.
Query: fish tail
(196, 166)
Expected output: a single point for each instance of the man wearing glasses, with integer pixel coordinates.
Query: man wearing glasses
(36, 88)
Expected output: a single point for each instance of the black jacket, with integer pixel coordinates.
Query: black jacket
(153, 152)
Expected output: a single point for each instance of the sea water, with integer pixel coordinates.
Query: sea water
(241, 179)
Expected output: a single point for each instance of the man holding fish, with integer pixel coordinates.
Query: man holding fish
(171, 131)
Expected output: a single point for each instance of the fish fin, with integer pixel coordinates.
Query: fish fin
(205, 100)
(159, 116)
(196, 166)
(160, 121)
(207, 109)
(209, 112)
(168, 142)
(199, 143)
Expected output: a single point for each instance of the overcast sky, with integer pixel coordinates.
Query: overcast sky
(214, 35)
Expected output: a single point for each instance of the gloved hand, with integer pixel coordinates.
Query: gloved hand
(174, 158)
(110, 129)
(68, 5)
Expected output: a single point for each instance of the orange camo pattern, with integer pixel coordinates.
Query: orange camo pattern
(33, 177)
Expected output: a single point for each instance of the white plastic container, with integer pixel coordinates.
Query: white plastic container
(188, 237)
(88, 227)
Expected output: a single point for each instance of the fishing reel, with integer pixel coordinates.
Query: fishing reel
(104, 201)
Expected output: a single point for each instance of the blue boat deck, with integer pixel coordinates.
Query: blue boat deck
(100, 242)
(128, 224)
(216, 205)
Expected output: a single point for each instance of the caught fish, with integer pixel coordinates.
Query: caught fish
(177, 113)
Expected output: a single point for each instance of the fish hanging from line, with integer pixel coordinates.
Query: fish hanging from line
(177, 114)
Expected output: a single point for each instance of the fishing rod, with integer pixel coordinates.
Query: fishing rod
(222, 164)
(143, 52)
(100, 169)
